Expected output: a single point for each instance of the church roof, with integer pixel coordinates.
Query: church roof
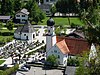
(27, 28)
(75, 46)
(63, 47)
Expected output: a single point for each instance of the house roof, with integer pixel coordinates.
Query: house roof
(75, 46)
(63, 47)
(4, 17)
(45, 6)
(76, 33)
(24, 11)
(27, 28)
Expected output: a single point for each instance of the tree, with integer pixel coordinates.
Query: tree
(53, 10)
(7, 7)
(1, 25)
(91, 18)
(64, 6)
(89, 67)
(0, 7)
(10, 25)
(17, 5)
(92, 31)
(36, 14)
(52, 59)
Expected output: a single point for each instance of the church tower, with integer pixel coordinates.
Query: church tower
(50, 37)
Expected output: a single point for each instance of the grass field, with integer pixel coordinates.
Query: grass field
(2, 61)
(64, 21)
(6, 34)
(6, 30)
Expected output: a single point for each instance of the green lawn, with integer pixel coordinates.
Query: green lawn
(2, 61)
(63, 21)
(6, 35)
(6, 30)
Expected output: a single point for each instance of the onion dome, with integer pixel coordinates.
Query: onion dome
(50, 22)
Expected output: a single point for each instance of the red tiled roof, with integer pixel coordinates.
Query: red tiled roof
(75, 46)
(63, 47)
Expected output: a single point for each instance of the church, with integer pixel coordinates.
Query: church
(26, 32)
(64, 46)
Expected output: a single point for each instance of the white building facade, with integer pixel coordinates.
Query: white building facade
(25, 32)
(22, 16)
(50, 1)
(62, 58)
(51, 45)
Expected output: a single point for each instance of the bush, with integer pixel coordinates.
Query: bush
(73, 62)
(73, 25)
(52, 61)
(9, 71)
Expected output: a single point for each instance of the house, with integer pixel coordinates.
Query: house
(47, 5)
(5, 18)
(64, 46)
(50, 1)
(25, 32)
(21, 16)
(45, 8)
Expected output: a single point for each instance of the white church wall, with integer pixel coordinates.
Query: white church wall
(16, 35)
(48, 42)
(65, 57)
(55, 51)
(30, 36)
(53, 40)
(23, 36)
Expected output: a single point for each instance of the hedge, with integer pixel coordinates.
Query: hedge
(9, 71)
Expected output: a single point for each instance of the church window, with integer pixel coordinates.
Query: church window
(24, 34)
(48, 30)
(51, 51)
(55, 51)
(47, 0)
(65, 62)
(59, 56)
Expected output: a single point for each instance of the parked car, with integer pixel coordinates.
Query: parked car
(23, 68)
(27, 66)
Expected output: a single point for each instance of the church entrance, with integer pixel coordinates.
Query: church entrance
(26, 37)
(33, 36)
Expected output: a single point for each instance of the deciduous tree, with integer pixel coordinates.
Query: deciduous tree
(10, 25)
(52, 59)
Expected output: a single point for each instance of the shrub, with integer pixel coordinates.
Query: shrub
(9, 71)
(73, 62)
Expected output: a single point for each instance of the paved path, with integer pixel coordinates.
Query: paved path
(7, 61)
(70, 70)
(40, 71)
